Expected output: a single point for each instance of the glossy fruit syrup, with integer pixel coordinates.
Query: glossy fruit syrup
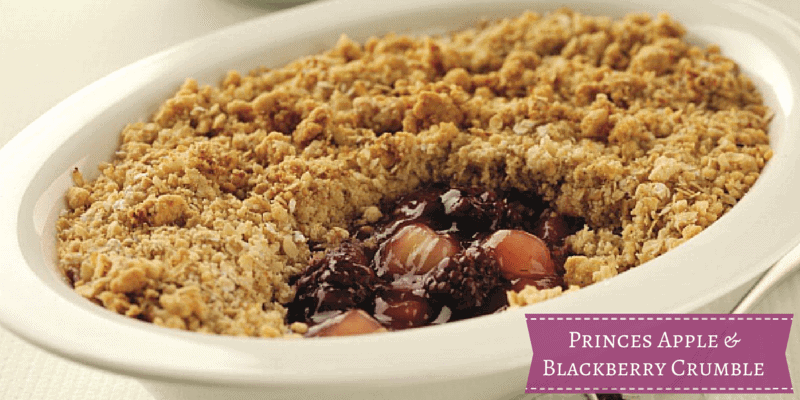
(438, 255)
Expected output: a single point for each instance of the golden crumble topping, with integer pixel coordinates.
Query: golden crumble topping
(210, 207)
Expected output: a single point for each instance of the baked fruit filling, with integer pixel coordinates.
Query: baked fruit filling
(439, 254)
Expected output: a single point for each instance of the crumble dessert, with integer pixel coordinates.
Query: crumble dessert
(210, 208)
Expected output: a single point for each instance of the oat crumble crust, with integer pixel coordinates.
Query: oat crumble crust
(208, 208)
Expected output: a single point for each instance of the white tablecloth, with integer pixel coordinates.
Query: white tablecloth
(50, 48)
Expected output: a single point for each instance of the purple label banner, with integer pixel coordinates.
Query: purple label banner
(659, 353)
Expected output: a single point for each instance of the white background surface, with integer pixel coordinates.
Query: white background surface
(49, 49)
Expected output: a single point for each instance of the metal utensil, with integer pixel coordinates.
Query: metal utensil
(776, 274)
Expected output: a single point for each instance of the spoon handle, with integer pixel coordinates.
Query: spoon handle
(783, 268)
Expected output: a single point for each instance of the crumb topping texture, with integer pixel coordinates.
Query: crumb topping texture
(210, 207)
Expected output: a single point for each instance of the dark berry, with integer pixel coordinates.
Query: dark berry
(523, 210)
(465, 281)
(423, 204)
(473, 211)
(340, 280)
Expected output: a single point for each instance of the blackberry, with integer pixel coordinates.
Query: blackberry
(466, 281)
(423, 204)
(473, 211)
(340, 280)
(523, 210)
